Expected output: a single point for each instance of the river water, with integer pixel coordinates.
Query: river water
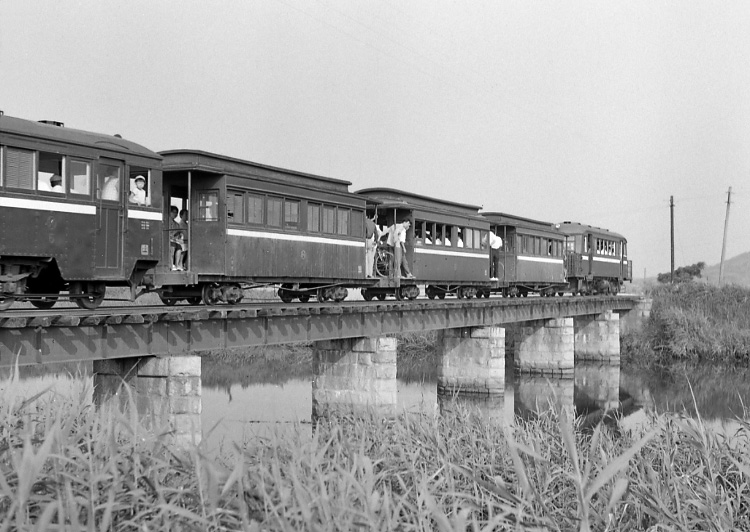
(269, 390)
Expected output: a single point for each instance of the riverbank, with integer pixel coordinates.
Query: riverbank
(63, 461)
(693, 322)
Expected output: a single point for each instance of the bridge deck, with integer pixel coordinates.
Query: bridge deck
(35, 337)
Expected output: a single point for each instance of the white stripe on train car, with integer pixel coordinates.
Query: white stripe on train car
(428, 251)
(540, 259)
(602, 259)
(144, 215)
(42, 205)
(295, 238)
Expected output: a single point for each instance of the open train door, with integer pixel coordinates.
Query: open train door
(109, 218)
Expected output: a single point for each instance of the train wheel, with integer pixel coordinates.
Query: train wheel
(211, 294)
(46, 302)
(6, 302)
(194, 300)
(90, 295)
(381, 297)
(367, 295)
(441, 295)
(168, 301)
(285, 296)
(304, 298)
(321, 294)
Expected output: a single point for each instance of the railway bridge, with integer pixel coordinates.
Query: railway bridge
(157, 350)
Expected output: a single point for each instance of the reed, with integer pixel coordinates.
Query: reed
(65, 465)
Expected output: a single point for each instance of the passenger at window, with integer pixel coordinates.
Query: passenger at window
(495, 243)
(111, 188)
(55, 183)
(138, 194)
(175, 239)
(459, 240)
(397, 240)
(372, 236)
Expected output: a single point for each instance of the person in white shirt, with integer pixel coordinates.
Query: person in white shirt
(495, 243)
(397, 240)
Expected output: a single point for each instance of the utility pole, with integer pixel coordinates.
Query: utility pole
(671, 237)
(724, 240)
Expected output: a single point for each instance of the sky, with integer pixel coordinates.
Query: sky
(589, 111)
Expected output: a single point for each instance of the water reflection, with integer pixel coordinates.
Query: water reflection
(257, 393)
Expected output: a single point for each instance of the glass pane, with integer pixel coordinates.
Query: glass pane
(80, 177)
(291, 214)
(274, 212)
(254, 209)
(208, 206)
(235, 207)
(313, 218)
(343, 219)
(108, 180)
(329, 219)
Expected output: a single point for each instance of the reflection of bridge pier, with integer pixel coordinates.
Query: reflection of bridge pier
(535, 393)
(490, 406)
(166, 391)
(597, 386)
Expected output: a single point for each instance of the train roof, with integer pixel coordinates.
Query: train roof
(57, 132)
(198, 160)
(502, 218)
(391, 197)
(575, 228)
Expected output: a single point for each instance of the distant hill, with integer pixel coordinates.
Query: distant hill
(736, 271)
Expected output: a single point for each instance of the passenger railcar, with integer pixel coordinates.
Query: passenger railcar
(596, 259)
(443, 246)
(252, 225)
(66, 215)
(531, 256)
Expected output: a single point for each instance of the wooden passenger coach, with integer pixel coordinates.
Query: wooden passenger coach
(531, 258)
(443, 244)
(67, 219)
(259, 225)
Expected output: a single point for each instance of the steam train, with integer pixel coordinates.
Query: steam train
(81, 212)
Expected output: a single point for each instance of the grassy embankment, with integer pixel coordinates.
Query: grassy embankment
(694, 322)
(64, 462)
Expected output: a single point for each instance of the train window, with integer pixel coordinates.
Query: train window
(357, 224)
(273, 211)
(208, 206)
(19, 168)
(108, 179)
(343, 222)
(291, 214)
(313, 217)
(429, 235)
(139, 185)
(80, 177)
(469, 238)
(477, 238)
(624, 250)
(255, 209)
(235, 207)
(50, 173)
(459, 237)
(419, 231)
(329, 219)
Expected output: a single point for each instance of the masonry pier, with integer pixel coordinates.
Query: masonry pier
(165, 390)
(544, 347)
(472, 361)
(354, 374)
(597, 337)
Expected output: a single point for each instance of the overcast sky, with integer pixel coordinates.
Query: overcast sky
(593, 111)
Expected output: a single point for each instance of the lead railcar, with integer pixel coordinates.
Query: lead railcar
(252, 225)
(66, 215)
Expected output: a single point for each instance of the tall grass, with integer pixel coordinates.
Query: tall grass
(67, 466)
(695, 321)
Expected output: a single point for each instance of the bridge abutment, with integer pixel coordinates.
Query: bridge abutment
(544, 347)
(354, 374)
(472, 361)
(597, 337)
(166, 391)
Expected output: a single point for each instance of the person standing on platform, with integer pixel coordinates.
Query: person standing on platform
(397, 240)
